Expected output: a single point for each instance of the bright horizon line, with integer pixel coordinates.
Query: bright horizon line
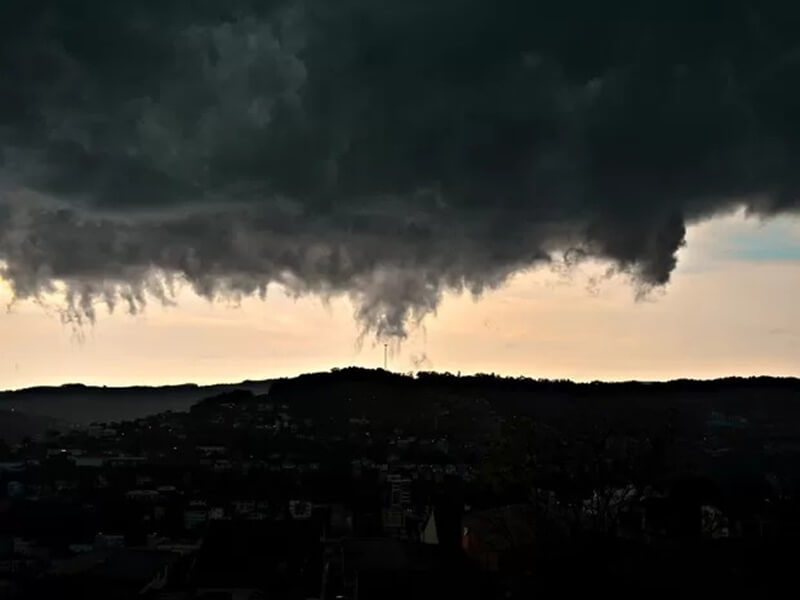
(405, 373)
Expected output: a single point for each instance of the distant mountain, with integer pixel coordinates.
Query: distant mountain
(80, 405)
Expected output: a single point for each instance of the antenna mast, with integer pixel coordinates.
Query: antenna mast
(385, 357)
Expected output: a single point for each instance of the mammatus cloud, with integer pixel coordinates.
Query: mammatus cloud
(388, 151)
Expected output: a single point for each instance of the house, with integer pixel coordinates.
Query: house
(244, 507)
(15, 489)
(216, 513)
(500, 538)
(89, 462)
(340, 521)
(143, 480)
(195, 515)
(51, 452)
(393, 520)
(300, 509)
(101, 431)
(714, 522)
(143, 496)
(222, 465)
(104, 541)
(718, 420)
(208, 451)
(399, 491)
(125, 461)
(430, 533)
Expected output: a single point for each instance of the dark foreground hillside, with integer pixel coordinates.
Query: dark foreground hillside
(367, 484)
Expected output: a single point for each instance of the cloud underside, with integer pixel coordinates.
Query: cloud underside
(385, 151)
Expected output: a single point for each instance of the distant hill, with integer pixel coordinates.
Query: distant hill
(80, 405)
(398, 399)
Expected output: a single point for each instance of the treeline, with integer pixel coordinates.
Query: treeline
(357, 389)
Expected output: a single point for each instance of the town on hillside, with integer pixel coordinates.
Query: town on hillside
(364, 484)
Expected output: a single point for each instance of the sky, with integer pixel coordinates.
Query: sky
(195, 190)
(728, 310)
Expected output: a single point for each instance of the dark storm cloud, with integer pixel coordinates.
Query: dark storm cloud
(384, 150)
